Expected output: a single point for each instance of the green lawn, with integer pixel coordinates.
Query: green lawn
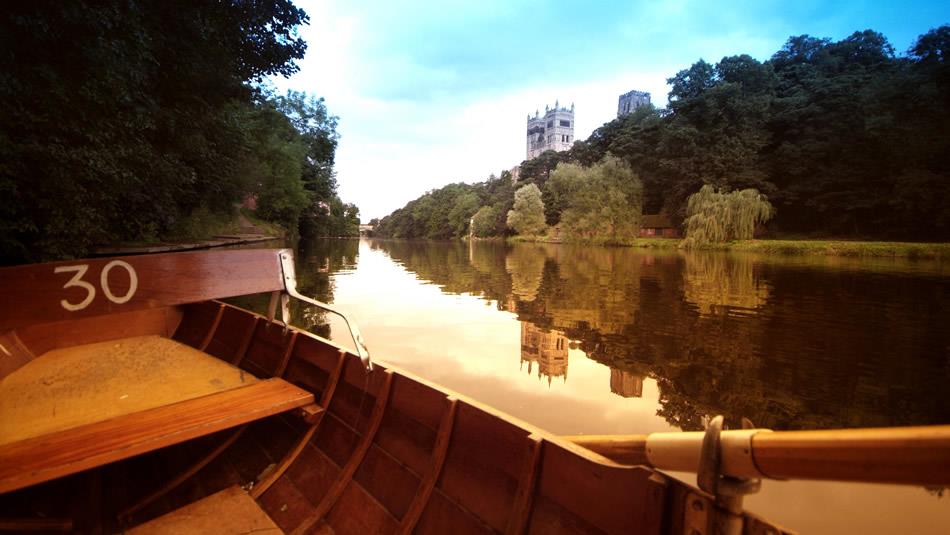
(846, 248)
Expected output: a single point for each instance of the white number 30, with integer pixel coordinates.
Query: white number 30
(80, 271)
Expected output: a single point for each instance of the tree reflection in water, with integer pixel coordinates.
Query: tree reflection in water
(314, 262)
(787, 344)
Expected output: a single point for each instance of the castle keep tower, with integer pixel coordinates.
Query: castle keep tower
(629, 102)
(552, 131)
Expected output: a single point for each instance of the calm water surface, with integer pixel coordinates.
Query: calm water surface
(582, 339)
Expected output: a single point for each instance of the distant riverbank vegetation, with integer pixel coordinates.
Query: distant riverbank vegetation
(844, 139)
(140, 120)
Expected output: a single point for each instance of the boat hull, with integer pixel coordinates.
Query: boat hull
(378, 452)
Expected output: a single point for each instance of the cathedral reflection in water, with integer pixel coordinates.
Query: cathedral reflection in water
(547, 350)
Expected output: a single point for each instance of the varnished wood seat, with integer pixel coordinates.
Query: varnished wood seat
(230, 511)
(84, 406)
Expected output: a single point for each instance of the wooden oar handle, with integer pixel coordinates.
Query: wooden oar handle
(904, 455)
(907, 455)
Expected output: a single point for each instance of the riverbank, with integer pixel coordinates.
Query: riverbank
(243, 229)
(838, 248)
(879, 249)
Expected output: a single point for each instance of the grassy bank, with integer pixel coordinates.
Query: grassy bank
(643, 243)
(204, 225)
(839, 248)
(879, 249)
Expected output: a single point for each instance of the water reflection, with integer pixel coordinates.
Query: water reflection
(526, 267)
(314, 262)
(626, 384)
(721, 284)
(788, 346)
(657, 341)
(546, 350)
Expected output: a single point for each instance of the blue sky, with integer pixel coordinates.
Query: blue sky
(430, 93)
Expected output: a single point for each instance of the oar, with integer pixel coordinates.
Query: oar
(904, 455)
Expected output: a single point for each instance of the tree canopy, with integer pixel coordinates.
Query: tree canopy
(123, 118)
(716, 217)
(603, 200)
(527, 214)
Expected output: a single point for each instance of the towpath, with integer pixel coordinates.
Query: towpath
(247, 232)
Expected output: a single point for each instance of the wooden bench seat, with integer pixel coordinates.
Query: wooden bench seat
(81, 407)
(228, 512)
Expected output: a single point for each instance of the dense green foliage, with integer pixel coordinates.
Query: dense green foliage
(446, 212)
(603, 200)
(121, 119)
(483, 222)
(600, 201)
(715, 216)
(527, 215)
(846, 138)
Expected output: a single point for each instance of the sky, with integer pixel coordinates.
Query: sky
(431, 93)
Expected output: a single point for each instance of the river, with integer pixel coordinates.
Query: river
(597, 340)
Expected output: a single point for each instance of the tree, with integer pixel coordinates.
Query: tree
(538, 169)
(716, 217)
(483, 222)
(691, 83)
(316, 133)
(278, 154)
(933, 46)
(527, 215)
(317, 129)
(120, 119)
(439, 214)
(601, 201)
(461, 213)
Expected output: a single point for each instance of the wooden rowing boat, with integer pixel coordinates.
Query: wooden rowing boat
(132, 399)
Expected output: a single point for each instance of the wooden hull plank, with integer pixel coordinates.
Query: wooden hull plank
(304, 440)
(485, 462)
(573, 490)
(346, 474)
(212, 329)
(427, 484)
(197, 321)
(526, 488)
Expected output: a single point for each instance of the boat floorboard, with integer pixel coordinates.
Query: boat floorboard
(230, 511)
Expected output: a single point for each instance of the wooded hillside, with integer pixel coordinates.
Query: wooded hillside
(845, 138)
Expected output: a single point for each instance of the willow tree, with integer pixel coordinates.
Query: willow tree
(527, 215)
(716, 216)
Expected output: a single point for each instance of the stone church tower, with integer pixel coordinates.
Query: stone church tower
(630, 101)
(552, 131)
